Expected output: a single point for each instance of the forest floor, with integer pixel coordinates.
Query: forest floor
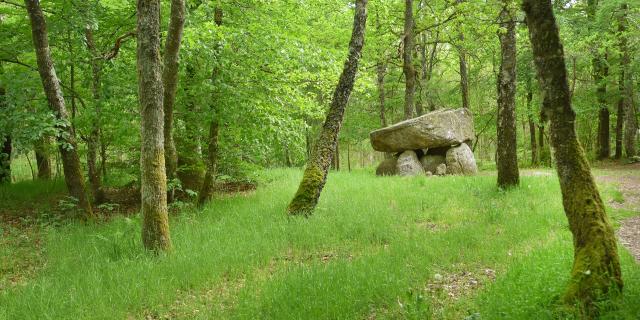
(376, 248)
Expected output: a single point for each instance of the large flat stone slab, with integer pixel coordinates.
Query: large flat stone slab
(440, 128)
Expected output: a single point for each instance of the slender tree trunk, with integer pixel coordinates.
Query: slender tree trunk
(212, 162)
(532, 125)
(464, 74)
(600, 71)
(507, 151)
(315, 174)
(206, 191)
(170, 83)
(349, 157)
(382, 69)
(620, 116)
(630, 117)
(66, 141)
(596, 267)
(155, 224)
(43, 158)
(94, 142)
(407, 54)
(5, 153)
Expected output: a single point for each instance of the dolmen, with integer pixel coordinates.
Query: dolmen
(436, 143)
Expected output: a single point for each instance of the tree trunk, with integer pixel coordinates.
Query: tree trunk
(620, 116)
(382, 69)
(66, 141)
(93, 142)
(5, 160)
(349, 157)
(464, 74)
(596, 267)
(532, 125)
(407, 67)
(212, 162)
(206, 191)
(315, 174)
(600, 71)
(43, 158)
(630, 117)
(170, 83)
(507, 145)
(155, 224)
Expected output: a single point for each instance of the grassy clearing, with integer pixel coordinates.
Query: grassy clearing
(377, 248)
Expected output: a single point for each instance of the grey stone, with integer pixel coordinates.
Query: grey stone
(460, 160)
(440, 128)
(408, 164)
(431, 162)
(441, 170)
(428, 173)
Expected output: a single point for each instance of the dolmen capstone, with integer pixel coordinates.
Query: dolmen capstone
(436, 143)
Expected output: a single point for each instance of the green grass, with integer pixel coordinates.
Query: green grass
(373, 249)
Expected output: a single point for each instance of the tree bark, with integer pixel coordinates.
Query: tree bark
(507, 145)
(408, 67)
(206, 191)
(155, 224)
(170, 83)
(381, 70)
(532, 125)
(94, 140)
(600, 72)
(5, 160)
(630, 117)
(43, 159)
(66, 140)
(596, 267)
(464, 74)
(315, 174)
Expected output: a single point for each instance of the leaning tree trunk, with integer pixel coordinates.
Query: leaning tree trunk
(408, 67)
(596, 267)
(170, 82)
(507, 145)
(315, 175)
(155, 224)
(66, 140)
(94, 140)
(630, 117)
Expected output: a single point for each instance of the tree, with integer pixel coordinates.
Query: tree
(626, 86)
(600, 73)
(94, 141)
(596, 266)
(5, 152)
(212, 151)
(155, 224)
(315, 174)
(51, 84)
(507, 151)
(43, 159)
(464, 73)
(407, 56)
(170, 83)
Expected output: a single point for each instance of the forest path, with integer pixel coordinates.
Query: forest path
(627, 179)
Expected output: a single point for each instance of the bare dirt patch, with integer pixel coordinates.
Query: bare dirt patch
(627, 180)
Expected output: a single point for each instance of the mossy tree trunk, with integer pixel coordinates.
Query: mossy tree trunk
(507, 145)
(170, 83)
(155, 224)
(315, 174)
(407, 56)
(51, 84)
(596, 267)
(43, 158)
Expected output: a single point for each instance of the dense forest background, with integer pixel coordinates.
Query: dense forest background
(275, 65)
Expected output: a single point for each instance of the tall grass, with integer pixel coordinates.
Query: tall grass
(370, 251)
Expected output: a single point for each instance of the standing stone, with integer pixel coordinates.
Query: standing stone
(441, 169)
(387, 167)
(440, 128)
(409, 165)
(460, 160)
(431, 162)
